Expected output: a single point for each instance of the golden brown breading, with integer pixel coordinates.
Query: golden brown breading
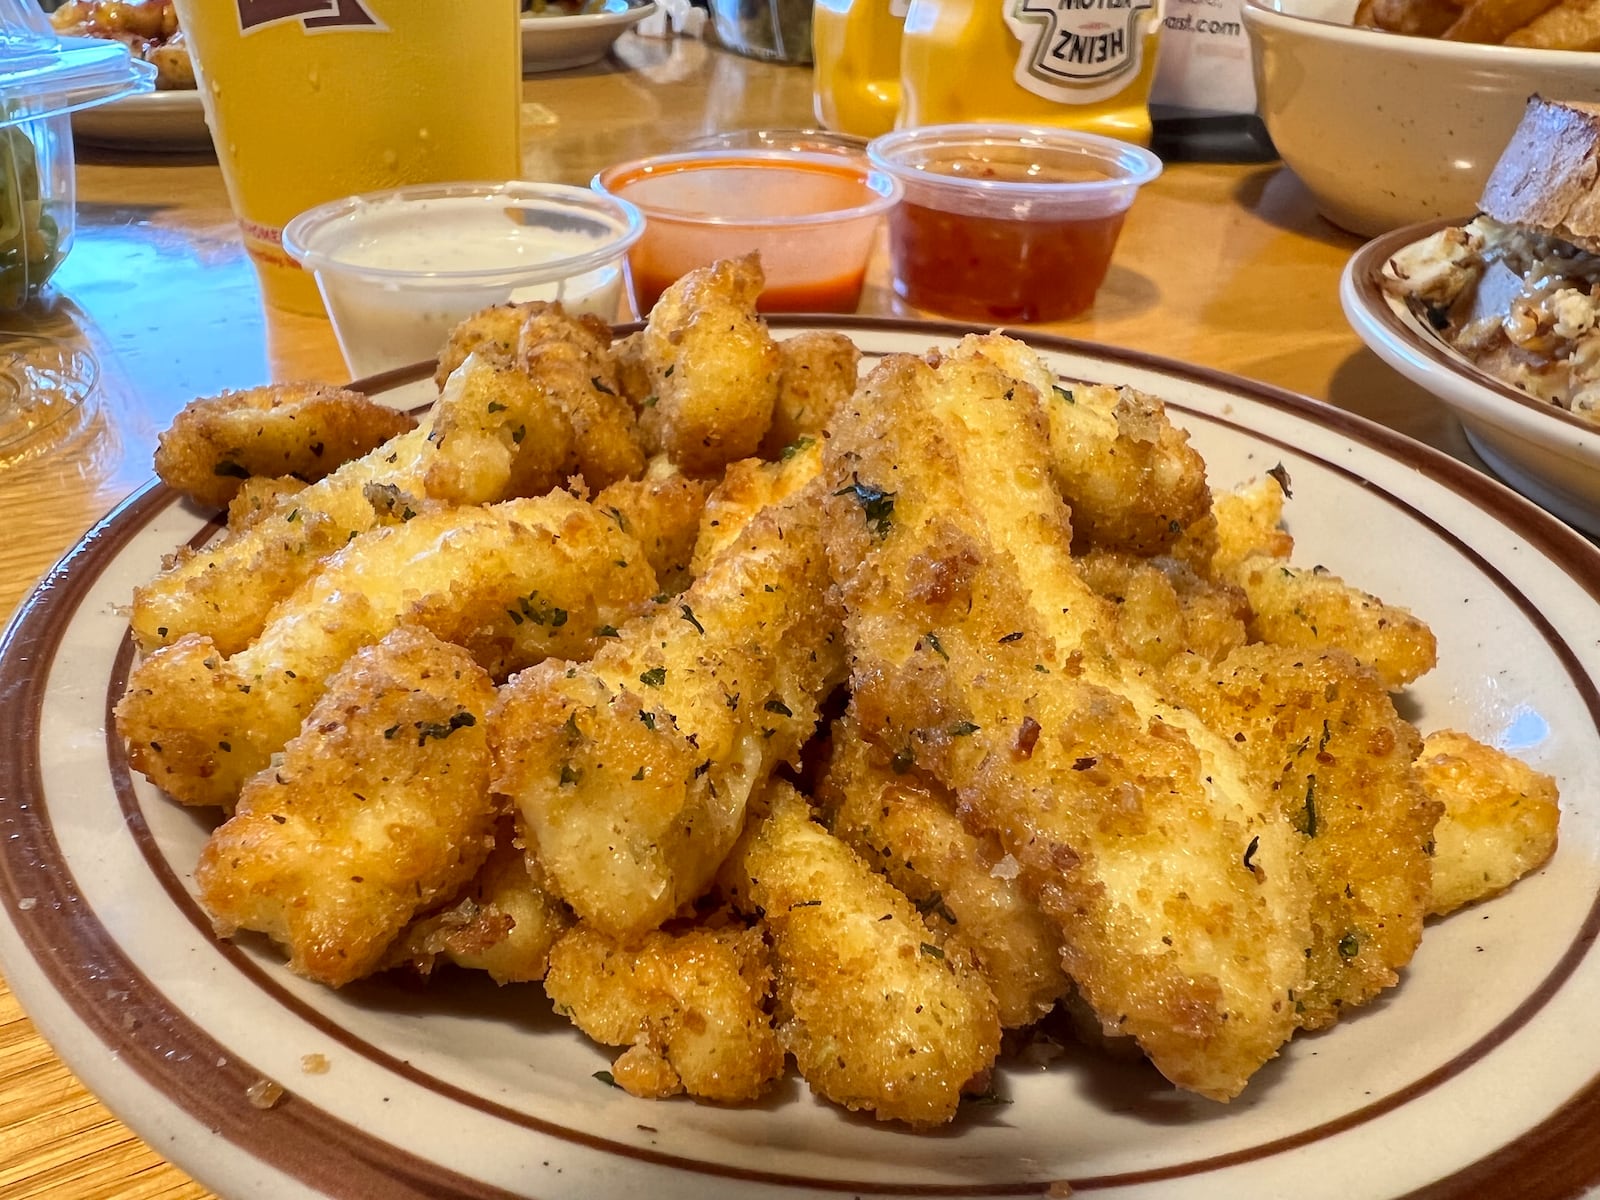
(880, 1012)
(712, 368)
(1499, 819)
(225, 590)
(258, 497)
(978, 650)
(906, 827)
(633, 770)
(306, 430)
(688, 1004)
(817, 372)
(1315, 610)
(490, 332)
(747, 487)
(567, 357)
(504, 922)
(496, 433)
(513, 583)
(1249, 522)
(1128, 474)
(662, 511)
(492, 434)
(1162, 608)
(378, 810)
(1341, 760)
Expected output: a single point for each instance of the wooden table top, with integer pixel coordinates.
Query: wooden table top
(1222, 265)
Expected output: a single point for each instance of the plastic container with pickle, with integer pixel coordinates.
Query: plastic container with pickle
(43, 78)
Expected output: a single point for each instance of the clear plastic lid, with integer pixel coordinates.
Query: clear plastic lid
(42, 75)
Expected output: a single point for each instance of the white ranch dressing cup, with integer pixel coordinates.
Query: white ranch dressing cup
(399, 269)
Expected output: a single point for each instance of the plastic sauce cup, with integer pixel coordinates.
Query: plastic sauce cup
(1007, 222)
(398, 269)
(812, 217)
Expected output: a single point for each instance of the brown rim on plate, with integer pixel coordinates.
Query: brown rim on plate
(1366, 271)
(82, 960)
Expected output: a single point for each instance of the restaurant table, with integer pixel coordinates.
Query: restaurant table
(1222, 265)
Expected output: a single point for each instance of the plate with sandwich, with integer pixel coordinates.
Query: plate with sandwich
(1499, 315)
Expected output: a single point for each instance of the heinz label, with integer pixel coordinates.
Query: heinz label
(1077, 51)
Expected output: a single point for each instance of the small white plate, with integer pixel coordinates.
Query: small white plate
(557, 43)
(1542, 450)
(153, 121)
(1477, 1077)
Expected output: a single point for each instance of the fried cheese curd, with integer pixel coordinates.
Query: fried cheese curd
(706, 376)
(857, 723)
(513, 583)
(381, 809)
(302, 430)
(497, 432)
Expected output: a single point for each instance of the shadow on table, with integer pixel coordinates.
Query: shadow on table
(1277, 196)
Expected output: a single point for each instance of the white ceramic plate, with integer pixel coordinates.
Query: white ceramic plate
(152, 121)
(1479, 1076)
(1543, 451)
(556, 43)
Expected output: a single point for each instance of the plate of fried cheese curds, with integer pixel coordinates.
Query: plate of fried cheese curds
(751, 757)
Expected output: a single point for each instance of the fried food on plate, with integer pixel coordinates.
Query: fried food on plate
(1128, 474)
(512, 583)
(747, 487)
(907, 827)
(378, 810)
(1162, 607)
(977, 650)
(710, 367)
(1499, 818)
(1323, 729)
(569, 358)
(689, 1004)
(304, 430)
(1081, 740)
(633, 769)
(880, 1011)
(662, 510)
(1313, 609)
(817, 372)
(494, 433)
(491, 333)
(504, 922)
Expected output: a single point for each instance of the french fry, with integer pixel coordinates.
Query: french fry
(1491, 21)
(1571, 25)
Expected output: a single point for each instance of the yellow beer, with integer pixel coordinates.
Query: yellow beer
(1087, 64)
(310, 100)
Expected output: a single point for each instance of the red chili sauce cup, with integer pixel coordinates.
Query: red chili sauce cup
(1006, 223)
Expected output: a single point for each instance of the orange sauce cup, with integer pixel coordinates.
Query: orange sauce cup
(812, 217)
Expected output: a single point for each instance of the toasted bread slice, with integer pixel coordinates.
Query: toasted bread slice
(1546, 177)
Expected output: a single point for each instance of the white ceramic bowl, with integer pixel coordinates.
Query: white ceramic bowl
(1386, 130)
(1545, 452)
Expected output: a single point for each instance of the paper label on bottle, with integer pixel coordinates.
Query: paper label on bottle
(1079, 51)
(1205, 59)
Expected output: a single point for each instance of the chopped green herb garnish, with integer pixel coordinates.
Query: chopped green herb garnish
(654, 677)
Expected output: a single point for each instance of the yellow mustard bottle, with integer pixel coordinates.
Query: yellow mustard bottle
(1082, 63)
(855, 51)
